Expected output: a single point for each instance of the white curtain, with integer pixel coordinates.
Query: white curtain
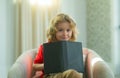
(31, 22)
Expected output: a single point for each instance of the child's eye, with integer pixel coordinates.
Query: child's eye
(68, 30)
(60, 30)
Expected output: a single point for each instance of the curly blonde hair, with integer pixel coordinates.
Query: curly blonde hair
(60, 18)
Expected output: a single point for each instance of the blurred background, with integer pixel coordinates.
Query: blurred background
(23, 26)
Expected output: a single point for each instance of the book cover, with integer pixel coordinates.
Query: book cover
(63, 55)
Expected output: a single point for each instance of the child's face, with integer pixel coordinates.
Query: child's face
(64, 31)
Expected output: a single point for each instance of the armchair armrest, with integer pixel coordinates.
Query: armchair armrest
(101, 70)
(96, 67)
(22, 68)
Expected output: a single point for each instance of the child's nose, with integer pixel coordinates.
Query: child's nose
(65, 32)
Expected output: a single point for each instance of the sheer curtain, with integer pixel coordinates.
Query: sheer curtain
(31, 21)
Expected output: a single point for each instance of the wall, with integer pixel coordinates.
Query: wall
(6, 37)
(3, 38)
(77, 9)
(99, 27)
(116, 36)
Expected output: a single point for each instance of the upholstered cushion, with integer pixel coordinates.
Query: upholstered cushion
(22, 68)
(95, 66)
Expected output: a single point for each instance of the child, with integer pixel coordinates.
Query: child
(62, 27)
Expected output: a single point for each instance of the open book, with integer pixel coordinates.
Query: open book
(62, 55)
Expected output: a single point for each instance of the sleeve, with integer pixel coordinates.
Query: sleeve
(39, 56)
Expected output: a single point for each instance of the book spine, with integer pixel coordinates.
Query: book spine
(65, 52)
(62, 57)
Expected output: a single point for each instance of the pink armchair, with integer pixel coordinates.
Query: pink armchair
(95, 66)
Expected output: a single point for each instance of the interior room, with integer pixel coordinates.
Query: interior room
(23, 25)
